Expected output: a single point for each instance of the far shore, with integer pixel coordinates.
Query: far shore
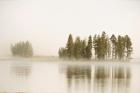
(57, 59)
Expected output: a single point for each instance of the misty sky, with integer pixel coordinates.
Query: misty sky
(47, 23)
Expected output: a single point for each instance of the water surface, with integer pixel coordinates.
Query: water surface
(63, 77)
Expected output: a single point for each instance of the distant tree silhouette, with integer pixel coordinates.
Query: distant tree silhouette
(62, 53)
(23, 49)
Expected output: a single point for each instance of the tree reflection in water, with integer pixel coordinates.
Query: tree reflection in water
(121, 80)
(22, 71)
(79, 78)
(101, 78)
(98, 79)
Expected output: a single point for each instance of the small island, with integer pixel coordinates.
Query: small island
(22, 49)
(98, 47)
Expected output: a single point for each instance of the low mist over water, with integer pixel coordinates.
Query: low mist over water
(63, 77)
(69, 46)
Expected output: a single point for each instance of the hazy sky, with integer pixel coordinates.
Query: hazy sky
(47, 23)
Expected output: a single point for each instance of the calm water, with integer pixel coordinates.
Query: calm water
(63, 77)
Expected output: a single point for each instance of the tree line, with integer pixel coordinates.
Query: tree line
(99, 47)
(23, 49)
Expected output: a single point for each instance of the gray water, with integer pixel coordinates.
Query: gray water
(69, 77)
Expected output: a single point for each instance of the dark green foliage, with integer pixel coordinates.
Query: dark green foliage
(62, 53)
(89, 48)
(77, 48)
(114, 46)
(70, 46)
(83, 49)
(128, 46)
(23, 49)
(119, 48)
(108, 55)
(101, 46)
(95, 45)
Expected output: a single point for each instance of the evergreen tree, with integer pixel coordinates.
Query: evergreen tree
(95, 43)
(98, 47)
(83, 49)
(69, 46)
(103, 45)
(120, 47)
(77, 48)
(62, 53)
(23, 49)
(128, 46)
(114, 46)
(108, 48)
(89, 48)
(28, 49)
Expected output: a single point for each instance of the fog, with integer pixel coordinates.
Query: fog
(47, 23)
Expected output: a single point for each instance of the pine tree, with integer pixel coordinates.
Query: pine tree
(69, 46)
(83, 49)
(89, 48)
(62, 53)
(77, 48)
(103, 46)
(98, 47)
(108, 48)
(114, 46)
(23, 49)
(120, 47)
(128, 46)
(95, 45)
(28, 49)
